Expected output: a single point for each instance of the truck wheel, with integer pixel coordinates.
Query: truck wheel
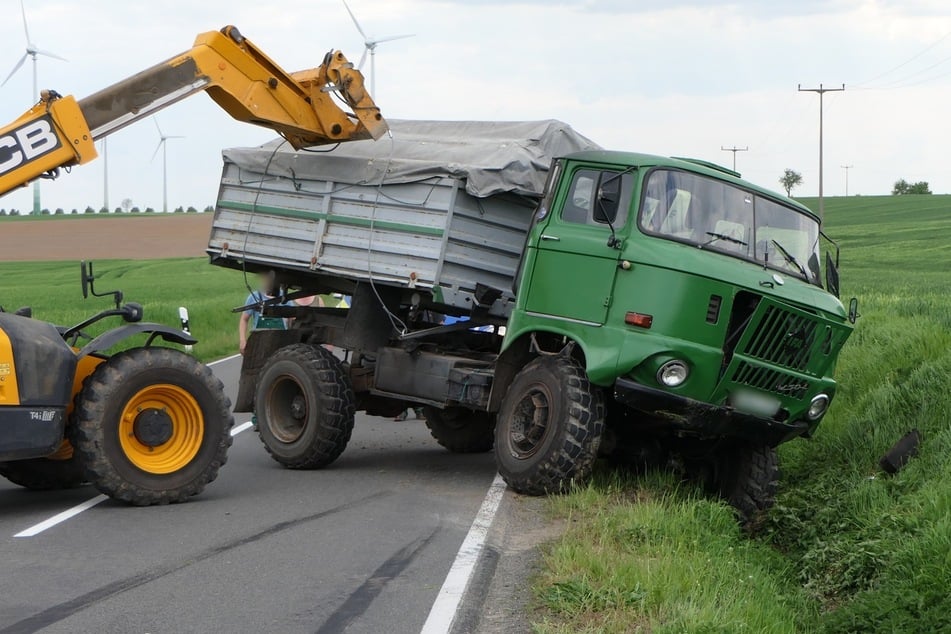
(46, 474)
(746, 476)
(461, 430)
(152, 426)
(549, 427)
(304, 404)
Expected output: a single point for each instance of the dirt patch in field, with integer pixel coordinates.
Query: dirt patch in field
(101, 238)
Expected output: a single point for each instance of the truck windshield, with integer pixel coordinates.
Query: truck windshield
(712, 214)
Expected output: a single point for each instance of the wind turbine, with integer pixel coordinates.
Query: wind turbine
(31, 51)
(369, 45)
(162, 146)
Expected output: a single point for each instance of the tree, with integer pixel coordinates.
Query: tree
(790, 180)
(126, 204)
(149, 210)
(179, 210)
(903, 187)
(74, 211)
(135, 210)
(191, 210)
(103, 210)
(59, 211)
(89, 210)
(209, 209)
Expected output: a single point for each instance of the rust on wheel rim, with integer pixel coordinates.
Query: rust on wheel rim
(530, 422)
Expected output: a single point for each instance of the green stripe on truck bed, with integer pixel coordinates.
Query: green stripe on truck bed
(319, 215)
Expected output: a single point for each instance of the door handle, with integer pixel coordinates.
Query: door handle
(552, 238)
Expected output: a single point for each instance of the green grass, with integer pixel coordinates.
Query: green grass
(847, 548)
(209, 292)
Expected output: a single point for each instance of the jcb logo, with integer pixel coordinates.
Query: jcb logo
(27, 143)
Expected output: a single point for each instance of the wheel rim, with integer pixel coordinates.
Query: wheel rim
(530, 422)
(286, 409)
(161, 428)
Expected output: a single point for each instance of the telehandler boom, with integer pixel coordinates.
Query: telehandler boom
(59, 132)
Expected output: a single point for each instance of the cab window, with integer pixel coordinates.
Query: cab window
(598, 197)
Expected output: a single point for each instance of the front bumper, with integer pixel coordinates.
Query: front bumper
(682, 414)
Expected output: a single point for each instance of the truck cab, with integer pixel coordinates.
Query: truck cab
(694, 297)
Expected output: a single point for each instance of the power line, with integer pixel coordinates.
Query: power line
(907, 61)
(820, 91)
(846, 168)
(735, 149)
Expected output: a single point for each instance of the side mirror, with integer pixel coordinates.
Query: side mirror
(86, 277)
(854, 310)
(832, 276)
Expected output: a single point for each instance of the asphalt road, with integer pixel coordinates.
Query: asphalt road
(362, 546)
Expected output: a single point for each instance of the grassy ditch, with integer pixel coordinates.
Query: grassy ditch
(847, 548)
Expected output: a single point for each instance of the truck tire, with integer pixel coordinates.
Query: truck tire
(45, 474)
(304, 404)
(152, 426)
(549, 427)
(746, 476)
(461, 430)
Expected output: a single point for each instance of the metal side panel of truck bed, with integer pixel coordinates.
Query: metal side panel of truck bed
(430, 234)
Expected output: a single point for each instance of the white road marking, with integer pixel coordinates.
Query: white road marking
(59, 518)
(36, 529)
(240, 428)
(234, 356)
(454, 587)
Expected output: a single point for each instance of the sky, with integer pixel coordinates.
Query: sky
(678, 78)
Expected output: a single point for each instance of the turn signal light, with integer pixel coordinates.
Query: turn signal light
(638, 319)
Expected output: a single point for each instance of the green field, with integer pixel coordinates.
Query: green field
(847, 548)
(52, 289)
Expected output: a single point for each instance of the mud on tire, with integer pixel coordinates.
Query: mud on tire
(152, 426)
(304, 404)
(549, 427)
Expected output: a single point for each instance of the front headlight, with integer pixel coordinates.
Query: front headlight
(818, 407)
(673, 373)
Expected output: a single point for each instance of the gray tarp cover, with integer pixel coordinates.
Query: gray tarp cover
(491, 157)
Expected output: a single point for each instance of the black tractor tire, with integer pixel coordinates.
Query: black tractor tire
(549, 427)
(304, 404)
(461, 430)
(746, 476)
(44, 474)
(152, 426)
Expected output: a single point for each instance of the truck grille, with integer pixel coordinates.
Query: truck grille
(785, 339)
(771, 380)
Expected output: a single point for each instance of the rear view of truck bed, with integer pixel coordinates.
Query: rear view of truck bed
(442, 206)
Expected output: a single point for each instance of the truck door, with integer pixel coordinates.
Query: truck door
(577, 251)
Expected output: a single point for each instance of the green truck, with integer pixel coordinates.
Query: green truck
(538, 296)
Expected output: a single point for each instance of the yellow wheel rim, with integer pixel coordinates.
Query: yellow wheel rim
(161, 428)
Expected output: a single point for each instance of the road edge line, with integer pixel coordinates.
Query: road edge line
(36, 529)
(446, 605)
(217, 361)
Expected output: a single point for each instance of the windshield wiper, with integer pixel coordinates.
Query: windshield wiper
(790, 259)
(723, 236)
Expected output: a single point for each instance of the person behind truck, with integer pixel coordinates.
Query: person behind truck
(252, 318)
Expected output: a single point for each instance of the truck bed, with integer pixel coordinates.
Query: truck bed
(443, 208)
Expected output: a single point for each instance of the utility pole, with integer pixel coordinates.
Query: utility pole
(846, 168)
(820, 91)
(735, 149)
